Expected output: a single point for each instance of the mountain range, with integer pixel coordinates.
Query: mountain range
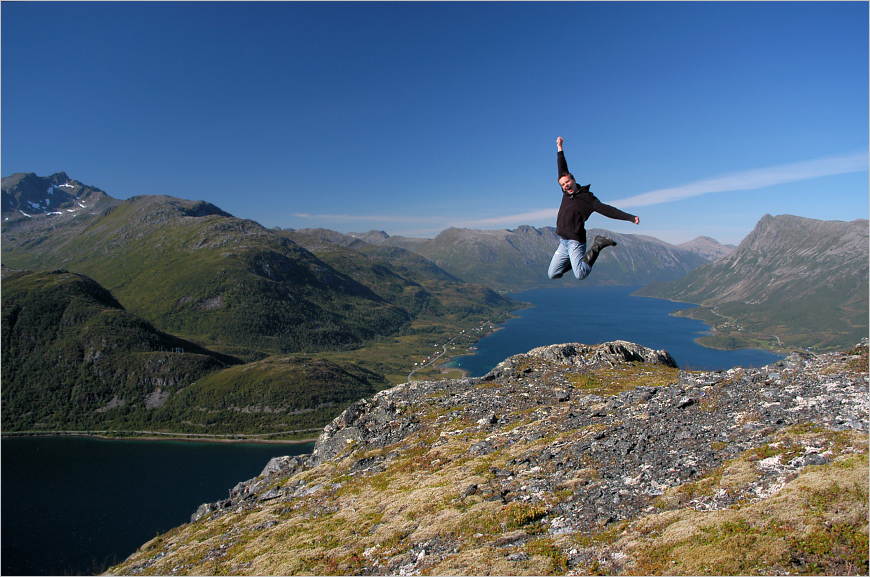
(504, 260)
(238, 291)
(197, 271)
(158, 314)
(513, 260)
(278, 330)
(792, 280)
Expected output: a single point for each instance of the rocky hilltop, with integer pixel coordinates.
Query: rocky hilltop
(570, 459)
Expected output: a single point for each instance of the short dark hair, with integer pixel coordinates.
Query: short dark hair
(566, 174)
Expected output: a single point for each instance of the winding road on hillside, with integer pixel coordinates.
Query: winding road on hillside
(432, 361)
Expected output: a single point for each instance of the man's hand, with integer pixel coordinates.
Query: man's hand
(637, 220)
(559, 141)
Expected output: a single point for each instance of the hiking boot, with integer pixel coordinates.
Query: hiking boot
(599, 243)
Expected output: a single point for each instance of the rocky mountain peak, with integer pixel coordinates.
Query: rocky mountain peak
(792, 279)
(26, 195)
(372, 236)
(787, 242)
(59, 178)
(708, 248)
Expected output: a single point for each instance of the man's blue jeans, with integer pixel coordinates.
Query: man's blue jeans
(569, 256)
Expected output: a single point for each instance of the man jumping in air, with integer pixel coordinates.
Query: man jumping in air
(578, 204)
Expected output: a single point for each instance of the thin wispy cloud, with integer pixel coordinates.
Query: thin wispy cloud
(743, 180)
(368, 218)
(753, 179)
(525, 217)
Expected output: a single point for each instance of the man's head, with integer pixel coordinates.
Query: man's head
(567, 182)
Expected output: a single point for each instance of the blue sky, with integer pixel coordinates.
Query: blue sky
(413, 117)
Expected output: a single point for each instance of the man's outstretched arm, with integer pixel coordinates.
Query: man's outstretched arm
(613, 212)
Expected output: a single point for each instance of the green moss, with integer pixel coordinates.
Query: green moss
(838, 549)
(545, 547)
(613, 381)
(518, 514)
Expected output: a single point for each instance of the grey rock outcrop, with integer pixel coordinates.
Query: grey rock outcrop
(580, 355)
(387, 417)
(646, 439)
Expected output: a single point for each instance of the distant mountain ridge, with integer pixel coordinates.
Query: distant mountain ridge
(792, 279)
(708, 248)
(510, 260)
(364, 307)
(193, 269)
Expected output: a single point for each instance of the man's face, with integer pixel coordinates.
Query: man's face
(568, 184)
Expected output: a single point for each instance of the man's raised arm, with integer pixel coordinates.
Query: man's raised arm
(561, 163)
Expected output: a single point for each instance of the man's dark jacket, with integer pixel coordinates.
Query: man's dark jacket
(578, 207)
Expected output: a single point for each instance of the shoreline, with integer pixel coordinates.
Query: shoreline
(152, 436)
(687, 313)
(473, 347)
(445, 369)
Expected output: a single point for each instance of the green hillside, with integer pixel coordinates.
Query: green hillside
(275, 395)
(72, 356)
(233, 292)
(194, 271)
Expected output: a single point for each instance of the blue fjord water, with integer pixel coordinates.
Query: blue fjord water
(593, 315)
(76, 506)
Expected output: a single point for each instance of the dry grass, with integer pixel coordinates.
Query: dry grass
(614, 380)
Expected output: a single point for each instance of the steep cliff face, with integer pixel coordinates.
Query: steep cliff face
(570, 459)
(785, 258)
